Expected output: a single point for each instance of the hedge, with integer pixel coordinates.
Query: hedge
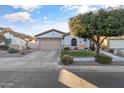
(103, 59)
(13, 50)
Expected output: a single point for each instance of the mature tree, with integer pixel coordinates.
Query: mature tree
(26, 38)
(102, 23)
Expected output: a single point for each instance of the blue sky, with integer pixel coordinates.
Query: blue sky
(35, 19)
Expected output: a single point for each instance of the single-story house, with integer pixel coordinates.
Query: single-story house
(116, 42)
(15, 39)
(55, 39)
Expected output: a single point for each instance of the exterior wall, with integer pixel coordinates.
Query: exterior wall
(51, 37)
(15, 42)
(116, 44)
(33, 45)
(51, 34)
(81, 44)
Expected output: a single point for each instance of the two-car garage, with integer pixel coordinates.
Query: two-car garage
(50, 44)
(51, 39)
(116, 44)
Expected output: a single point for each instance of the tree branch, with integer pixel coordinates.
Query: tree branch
(102, 40)
(94, 40)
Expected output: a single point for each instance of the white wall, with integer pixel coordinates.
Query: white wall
(80, 41)
(15, 40)
(51, 34)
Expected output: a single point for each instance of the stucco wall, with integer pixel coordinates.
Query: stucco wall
(51, 34)
(15, 41)
(80, 42)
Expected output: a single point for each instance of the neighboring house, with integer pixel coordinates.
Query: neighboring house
(16, 39)
(55, 39)
(116, 42)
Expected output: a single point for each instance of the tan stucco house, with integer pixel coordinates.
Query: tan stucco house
(55, 39)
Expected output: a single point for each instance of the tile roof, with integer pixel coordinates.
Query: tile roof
(49, 31)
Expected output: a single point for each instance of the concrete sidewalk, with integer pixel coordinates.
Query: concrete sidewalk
(59, 67)
(114, 57)
(94, 68)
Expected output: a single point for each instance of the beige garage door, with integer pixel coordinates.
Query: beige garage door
(116, 43)
(50, 44)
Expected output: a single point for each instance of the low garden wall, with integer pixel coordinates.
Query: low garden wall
(84, 58)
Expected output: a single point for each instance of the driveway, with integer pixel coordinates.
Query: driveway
(40, 58)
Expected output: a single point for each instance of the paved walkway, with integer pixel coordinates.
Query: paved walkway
(114, 57)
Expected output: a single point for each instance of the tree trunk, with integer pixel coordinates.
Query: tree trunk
(97, 48)
(97, 52)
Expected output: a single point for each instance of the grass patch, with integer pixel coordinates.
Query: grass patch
(79, 53)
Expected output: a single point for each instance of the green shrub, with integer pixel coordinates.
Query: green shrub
(13, 50)
(103, 59)
(4, 47)
(66, 59)
(66, 48)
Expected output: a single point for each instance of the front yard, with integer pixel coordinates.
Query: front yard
(78, 53)
(83, 58)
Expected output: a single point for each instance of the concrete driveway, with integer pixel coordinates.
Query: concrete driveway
(40, 58)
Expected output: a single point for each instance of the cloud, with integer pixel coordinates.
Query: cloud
(45, 18)
(28, 8)
(114, 6)
(41, 27)
(85, 8)
(19, 16)
(79, 8)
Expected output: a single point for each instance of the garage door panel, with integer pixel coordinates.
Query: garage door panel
(116, 43)
(50, 44)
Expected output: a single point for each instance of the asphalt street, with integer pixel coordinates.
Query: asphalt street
(49, 79)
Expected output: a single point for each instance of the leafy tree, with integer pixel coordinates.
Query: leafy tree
(102, 23)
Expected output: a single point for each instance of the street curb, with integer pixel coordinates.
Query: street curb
(73, 68)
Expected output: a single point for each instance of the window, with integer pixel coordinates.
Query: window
(8, 41)
(73, 42)
(85, 39)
